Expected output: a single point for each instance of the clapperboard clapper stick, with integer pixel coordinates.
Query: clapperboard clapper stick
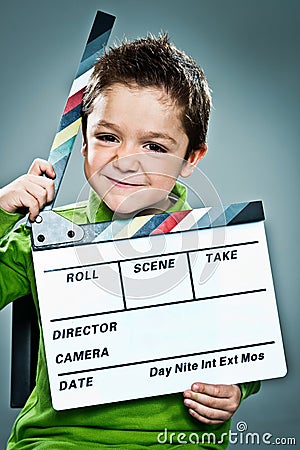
(161, 301)
(70, 121)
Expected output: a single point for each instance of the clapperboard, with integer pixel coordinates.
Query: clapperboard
(159, 301)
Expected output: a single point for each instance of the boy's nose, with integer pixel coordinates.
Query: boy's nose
(127, 159)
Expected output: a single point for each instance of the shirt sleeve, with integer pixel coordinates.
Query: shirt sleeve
(248, 389)
(8, 221)
(15, 258)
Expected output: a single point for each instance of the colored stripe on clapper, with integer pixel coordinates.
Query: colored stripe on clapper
(190, 219)
(211, 217)
(71, 119)
(170, 222)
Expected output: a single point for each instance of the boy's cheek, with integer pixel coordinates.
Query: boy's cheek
(163, 177)
(92, 166)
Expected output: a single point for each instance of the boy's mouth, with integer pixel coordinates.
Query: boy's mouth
(123, 184)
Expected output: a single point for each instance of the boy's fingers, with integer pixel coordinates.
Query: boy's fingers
(44, 183)
(29, 191)
(30, 202)
(203, 419)
(214, 390)
(40, 192)
(208, 414)
(41, 187)
(224, 404)
(40, 167)
(212, 403)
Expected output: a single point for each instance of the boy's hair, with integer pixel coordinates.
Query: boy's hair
(155, 62)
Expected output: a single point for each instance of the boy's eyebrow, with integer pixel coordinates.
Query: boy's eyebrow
(155, 135)
(148, 134)
(103, 123)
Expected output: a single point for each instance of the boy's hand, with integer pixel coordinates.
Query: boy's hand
(212, 403)
(31, 191)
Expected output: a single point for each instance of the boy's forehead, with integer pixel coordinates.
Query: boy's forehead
(158, 93)
(148, 97)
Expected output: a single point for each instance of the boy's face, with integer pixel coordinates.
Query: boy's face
(134, 149)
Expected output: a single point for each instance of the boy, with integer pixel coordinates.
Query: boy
(144, 122)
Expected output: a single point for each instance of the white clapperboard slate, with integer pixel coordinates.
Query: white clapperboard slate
(158, 301)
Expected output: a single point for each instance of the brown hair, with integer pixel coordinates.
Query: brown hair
(155, 62)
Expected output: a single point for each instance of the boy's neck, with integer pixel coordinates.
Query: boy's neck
(159, 208)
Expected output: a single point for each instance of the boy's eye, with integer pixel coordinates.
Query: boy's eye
(156, 148)
(107, 138)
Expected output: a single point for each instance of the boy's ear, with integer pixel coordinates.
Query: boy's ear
(83, 148)
(190, 164)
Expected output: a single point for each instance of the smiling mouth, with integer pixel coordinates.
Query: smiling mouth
(123, 183)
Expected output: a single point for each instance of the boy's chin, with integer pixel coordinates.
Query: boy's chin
(139, 203)
(122, 209)
(127, 209)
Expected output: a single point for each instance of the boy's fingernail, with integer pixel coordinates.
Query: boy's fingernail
(187, 402)
(196, 387)
(187, 394)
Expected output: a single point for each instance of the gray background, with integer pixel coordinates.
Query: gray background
(249, 51)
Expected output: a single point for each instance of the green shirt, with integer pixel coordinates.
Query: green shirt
(132, 424)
